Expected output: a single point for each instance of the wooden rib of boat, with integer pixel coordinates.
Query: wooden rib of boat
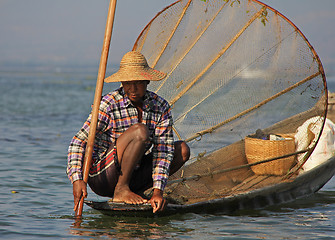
(211, 186)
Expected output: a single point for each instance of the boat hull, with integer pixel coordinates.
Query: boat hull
(304, 185)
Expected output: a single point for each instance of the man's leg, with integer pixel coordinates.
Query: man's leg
(181, 156)
(130, 149)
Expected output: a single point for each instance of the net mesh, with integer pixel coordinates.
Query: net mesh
(232, 67)
(225, 57)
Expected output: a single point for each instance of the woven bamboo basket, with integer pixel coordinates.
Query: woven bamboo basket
(258, 150)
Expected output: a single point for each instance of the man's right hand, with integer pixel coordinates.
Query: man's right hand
(79, 190)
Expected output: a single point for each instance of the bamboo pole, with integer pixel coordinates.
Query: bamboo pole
(210, 130)
(97, 99)
(254, 17)
(171, 35)
(190, 47)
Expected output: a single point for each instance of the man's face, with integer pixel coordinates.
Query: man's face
(135, 90)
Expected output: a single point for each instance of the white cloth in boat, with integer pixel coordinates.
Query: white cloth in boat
(306, 136)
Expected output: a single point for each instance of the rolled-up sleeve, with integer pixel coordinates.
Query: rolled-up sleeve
(76, 150)
(163, 150)
(76, 153)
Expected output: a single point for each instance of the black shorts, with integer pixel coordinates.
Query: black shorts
(105, 173)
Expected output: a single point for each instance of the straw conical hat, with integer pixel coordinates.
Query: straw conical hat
(134, 67)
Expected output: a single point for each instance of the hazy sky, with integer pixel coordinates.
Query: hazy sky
(71, 31)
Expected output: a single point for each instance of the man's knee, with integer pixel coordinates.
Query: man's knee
(140, 132)
(184, 149)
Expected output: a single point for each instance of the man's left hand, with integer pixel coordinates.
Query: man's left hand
(157, 201)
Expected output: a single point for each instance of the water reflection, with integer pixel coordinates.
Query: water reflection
(304, 213)
(126, 227)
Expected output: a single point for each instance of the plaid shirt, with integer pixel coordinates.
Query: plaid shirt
(116, 115)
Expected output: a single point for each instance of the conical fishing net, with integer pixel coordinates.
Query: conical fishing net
(233, 66)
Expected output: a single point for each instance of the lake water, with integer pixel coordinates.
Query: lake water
(41, 109)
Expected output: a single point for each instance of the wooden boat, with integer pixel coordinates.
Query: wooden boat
(254, 192)
(213, 186)
(220, 96)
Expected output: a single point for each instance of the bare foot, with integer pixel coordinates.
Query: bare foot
(124, 194)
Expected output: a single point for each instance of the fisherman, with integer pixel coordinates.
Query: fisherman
(134, 147)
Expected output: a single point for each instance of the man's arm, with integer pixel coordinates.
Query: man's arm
(76, 151)
(76, 154)
(79, 190)
(162, 156)
(157, 201)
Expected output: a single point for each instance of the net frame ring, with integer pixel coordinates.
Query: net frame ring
(199, 137)
(182, 6)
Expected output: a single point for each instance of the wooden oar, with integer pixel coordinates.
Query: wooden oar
(97, 98)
